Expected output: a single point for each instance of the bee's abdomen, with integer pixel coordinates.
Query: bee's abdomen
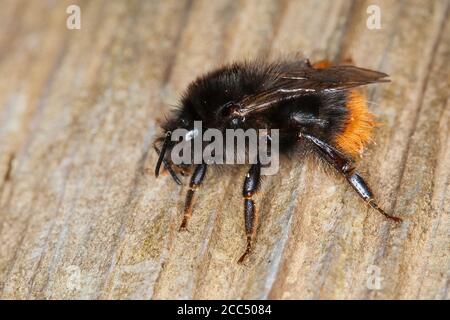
(357, 126)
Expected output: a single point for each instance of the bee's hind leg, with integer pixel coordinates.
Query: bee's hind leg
(363, 190)
(340, 162)
(196, 180)
(251, 185)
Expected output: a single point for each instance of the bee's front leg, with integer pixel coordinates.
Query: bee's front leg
(196, 180)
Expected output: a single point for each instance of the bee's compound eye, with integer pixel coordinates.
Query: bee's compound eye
(229, 108)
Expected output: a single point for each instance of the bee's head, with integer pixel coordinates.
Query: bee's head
(179, 127)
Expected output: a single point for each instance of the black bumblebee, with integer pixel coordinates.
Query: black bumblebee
(316, 108)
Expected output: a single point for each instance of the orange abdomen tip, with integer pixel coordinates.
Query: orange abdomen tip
(358, 125)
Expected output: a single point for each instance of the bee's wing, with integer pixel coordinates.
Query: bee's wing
(298, 82)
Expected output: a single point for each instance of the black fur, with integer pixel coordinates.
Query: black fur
(213, 97)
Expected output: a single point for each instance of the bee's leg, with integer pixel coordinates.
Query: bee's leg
(340, 162)
(361, 187)
(196, 181)
(166, 164)
(251, 185)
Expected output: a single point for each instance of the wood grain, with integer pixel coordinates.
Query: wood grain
(81, 215)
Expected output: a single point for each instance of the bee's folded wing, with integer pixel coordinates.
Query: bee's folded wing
(302, 81)
(332, 78)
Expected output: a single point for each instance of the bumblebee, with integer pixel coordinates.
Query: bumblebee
(317, 109)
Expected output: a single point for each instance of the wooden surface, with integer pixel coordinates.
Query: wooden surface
(81, 215)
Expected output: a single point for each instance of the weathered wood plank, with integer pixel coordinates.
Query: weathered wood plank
(81, 215)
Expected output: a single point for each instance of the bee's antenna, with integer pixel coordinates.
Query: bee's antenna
(162, 153)
(161, 159)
